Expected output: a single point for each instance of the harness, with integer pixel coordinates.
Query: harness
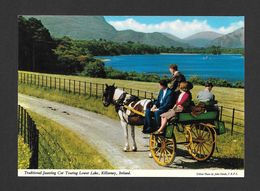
(134, 110)
(122, 104)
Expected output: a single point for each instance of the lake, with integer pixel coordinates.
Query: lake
(229, 67)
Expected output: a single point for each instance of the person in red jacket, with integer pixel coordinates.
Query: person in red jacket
(182, 104)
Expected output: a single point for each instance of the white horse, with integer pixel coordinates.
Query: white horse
(129, 108)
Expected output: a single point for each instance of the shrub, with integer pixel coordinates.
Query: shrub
(94, 69)
(216, 82)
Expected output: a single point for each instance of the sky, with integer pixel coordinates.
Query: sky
(180, 26)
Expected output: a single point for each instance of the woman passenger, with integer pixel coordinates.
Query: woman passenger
(182, 104)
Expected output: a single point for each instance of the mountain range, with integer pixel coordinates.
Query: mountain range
(96, 27)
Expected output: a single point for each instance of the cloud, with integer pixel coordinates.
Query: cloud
(231, 27)
(177, 27)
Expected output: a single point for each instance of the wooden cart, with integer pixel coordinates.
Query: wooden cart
(200, 134)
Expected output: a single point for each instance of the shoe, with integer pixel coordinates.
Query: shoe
(148, 131)
(157, 133)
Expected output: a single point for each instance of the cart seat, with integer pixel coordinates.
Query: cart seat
(187, 117)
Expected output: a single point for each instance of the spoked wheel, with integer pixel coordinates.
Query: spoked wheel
(162, 149)
(202, 141)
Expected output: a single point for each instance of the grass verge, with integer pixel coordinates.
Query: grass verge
(60, 148)
(24, 154)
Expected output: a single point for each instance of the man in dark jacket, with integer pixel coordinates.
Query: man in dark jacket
(177, 77)
(163, 103)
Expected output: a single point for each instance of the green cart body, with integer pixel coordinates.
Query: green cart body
(200, 133)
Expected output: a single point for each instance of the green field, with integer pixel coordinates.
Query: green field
(60, 148)
(227, 97)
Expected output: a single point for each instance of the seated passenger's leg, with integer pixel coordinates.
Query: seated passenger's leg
(157, 118)
(147, 120)
(163, 124)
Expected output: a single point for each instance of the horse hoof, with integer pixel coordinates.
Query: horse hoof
(126, 149)
(134, 149)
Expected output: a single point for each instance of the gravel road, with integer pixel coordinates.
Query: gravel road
(106, 135)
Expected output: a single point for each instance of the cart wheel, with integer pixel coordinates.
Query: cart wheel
(162, 149)
(202, 141)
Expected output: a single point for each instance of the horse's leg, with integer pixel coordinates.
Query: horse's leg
(125, 126)
(133, 137)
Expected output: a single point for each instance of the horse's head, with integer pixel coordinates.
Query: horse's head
(108, 95)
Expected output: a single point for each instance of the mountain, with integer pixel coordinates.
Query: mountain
(96, 27)
(232, 40)
(78, 27)
(156, 38)
(172, 37)
(201, 39)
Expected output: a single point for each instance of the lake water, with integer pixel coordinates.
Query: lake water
(229, 67)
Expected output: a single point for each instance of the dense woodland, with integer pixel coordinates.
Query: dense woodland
(40, 52)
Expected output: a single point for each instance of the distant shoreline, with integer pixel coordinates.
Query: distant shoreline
(107, 59)
(194, 54)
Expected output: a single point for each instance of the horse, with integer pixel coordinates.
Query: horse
(130, 110)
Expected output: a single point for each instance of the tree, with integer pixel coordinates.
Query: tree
(35, 46)
(72, 56)
(95, 69)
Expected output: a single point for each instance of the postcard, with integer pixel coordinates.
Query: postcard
(131, 96)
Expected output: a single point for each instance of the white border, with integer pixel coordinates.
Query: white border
(130, 173)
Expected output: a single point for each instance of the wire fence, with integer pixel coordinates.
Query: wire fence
(231, 116)
(27, 129)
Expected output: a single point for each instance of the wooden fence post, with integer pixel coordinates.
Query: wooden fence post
(69, 85)
(96, 90)
(50, 82)
(85, 88)
(64, 84)
(221, 111)
(59, 83)
(22, 121)
(90, 91)
(73, 86)
(79, 86)
(27, 78)
(25, 126)
(232, 123)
